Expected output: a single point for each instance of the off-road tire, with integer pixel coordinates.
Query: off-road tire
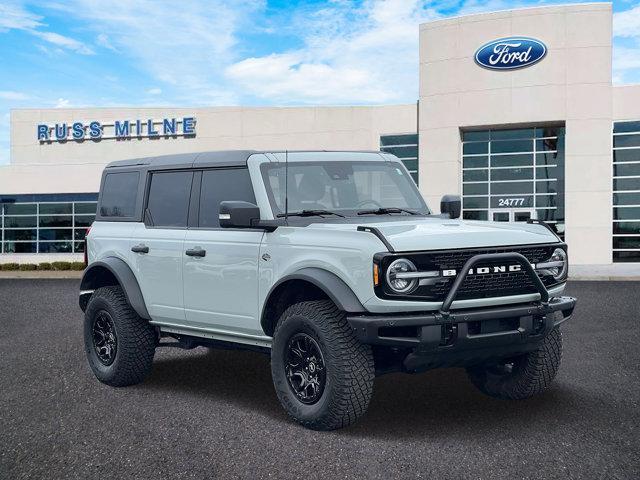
(349, 366)
(136, 339)
(532, 372)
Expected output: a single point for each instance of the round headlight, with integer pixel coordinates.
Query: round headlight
(395, 278)
(560, 271)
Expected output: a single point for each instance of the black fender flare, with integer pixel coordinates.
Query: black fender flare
(332, 285)
(125, 277)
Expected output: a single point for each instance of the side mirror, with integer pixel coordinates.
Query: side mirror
(238, 215)
(452, 205)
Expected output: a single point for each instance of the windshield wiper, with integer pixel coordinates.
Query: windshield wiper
(309, 213)
(386, 211)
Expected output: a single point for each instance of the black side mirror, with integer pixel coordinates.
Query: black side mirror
(452, 205)
(238, 215)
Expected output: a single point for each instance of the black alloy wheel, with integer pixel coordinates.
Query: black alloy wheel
(305, 368)
(105, 341)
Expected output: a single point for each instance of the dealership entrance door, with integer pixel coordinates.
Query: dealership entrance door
(512, 214)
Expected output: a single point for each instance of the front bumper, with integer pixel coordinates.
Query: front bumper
(464, 337)
(469, 336)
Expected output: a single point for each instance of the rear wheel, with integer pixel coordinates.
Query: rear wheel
(119, 344)
(322, 375)
(523, 376)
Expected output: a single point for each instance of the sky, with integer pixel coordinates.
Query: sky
(81, 53)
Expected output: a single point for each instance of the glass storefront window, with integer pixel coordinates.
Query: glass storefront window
(54, 234)
(19, 247)
(626, 192)
(46, 227)
(405, 147)
(19, 222)
(56, 221)
(514, 169)
(55, 247)
(21, 234)
(20, 209)
(56, 208)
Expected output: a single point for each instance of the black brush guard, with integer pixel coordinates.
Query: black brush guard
(466, 336)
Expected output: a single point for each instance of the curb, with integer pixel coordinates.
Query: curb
(604, 278)
(53, 274)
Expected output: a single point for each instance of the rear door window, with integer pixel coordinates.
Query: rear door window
(119, 194)
(222, 185)
(168, 203)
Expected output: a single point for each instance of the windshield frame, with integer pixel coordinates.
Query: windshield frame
(423, 210)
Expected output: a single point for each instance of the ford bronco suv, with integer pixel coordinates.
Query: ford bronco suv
(330, 262)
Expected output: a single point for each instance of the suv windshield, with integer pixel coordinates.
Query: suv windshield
(346, 188)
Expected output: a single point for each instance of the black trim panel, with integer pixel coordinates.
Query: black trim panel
(335, 288)
(124, 276)
(366, 327)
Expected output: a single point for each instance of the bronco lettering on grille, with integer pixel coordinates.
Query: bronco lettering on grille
(484, 270)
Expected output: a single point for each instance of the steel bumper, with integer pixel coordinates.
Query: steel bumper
(529, 319)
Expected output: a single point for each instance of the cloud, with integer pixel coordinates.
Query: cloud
(15, 17)
(154, 91)
(186, 47)
(64, 42)
(351, 54)
(626, 50)
(627, 23)
(62, 103)
(626, 58)
(11, 95)
(103, 41)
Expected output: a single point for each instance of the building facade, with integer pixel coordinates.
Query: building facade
(516, 112)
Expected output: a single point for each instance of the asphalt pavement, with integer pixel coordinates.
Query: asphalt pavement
(214, 414)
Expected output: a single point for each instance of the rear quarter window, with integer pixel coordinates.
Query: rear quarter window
(119, 194)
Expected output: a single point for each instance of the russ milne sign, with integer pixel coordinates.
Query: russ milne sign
(119, 130)
(510, 53)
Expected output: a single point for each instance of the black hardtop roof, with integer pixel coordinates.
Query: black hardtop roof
(222, 158)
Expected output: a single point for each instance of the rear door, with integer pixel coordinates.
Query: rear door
(157, 245)
(221, 281)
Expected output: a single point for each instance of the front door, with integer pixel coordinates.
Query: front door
(512, 214)
(221, 279)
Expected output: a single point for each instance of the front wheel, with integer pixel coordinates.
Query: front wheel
(523, 376)
(322, 375)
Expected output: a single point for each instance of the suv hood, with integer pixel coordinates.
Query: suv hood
(438, 233)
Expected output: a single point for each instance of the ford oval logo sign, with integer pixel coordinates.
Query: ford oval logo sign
(510, 53)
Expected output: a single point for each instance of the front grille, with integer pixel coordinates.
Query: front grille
(479, 285)
(489, 284)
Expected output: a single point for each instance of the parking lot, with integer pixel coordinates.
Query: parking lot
(207, 414)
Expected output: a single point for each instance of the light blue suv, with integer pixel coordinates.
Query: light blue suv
(331, 263)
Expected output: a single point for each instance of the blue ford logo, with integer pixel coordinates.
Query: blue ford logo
(510, 53)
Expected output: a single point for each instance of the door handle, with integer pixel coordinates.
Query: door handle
(141, 248)
(196, 252)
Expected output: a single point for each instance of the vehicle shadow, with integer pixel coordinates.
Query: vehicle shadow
(438, 404)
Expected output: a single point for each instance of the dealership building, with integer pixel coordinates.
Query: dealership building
(516, 112)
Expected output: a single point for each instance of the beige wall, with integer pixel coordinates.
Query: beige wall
(75, 167)
(572, 84)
